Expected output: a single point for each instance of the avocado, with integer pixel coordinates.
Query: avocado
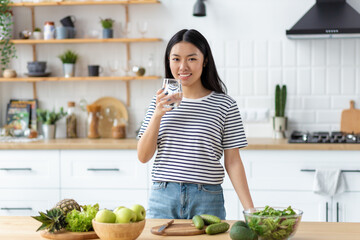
(238, 232)
(241, 223)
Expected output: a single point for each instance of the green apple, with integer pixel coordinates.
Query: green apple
(117, 209)
(105, 216)
(140, 212)
(125, 215)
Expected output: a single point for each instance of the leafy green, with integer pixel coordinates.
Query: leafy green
(81, 221)
(272, 224)
(47, 117)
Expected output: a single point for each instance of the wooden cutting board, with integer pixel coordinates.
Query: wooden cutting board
(178, 229)
(64, 235)
(350, 119)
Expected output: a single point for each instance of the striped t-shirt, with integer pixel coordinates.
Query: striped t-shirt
(192, 138)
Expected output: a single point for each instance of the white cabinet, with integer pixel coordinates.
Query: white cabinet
(26, 202)
(102, 169)
(278, 178)
(111, 178)
(29, 169)
(346, 207)
(29, 181)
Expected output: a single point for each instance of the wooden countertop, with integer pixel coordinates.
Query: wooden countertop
(130, 143)
(23, 228)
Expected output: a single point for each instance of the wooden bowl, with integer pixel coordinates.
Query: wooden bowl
(118, 231)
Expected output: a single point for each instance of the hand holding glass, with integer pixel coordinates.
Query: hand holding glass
(174, 90)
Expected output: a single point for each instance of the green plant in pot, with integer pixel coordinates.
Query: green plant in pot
(107, 25)
(279, 120)
(7, 48)
(48, 120)
(37, 33)
(68, 58)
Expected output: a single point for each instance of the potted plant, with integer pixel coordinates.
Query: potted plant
(68, 59)
(107, 25)
(37, 33)
(48, 120)
(279, 120)
(7, 48)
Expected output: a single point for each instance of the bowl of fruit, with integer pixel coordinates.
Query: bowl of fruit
(121, 224)
(273, 223)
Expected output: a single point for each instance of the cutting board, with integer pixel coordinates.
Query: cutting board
(178, 229)
(350, 119)
(64, 235)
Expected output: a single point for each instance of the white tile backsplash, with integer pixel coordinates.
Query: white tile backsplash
(348, 80)
(333, 80)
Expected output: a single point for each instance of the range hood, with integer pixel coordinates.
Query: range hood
(327, 19)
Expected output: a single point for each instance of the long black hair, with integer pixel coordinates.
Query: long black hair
(209, 77)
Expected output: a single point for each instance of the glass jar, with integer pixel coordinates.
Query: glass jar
(49, 30)
(71, 121)
(118, 129)
(93, 120)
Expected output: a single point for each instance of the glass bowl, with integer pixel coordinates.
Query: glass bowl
(273, 223)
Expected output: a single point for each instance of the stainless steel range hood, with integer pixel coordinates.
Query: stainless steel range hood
(327, 19)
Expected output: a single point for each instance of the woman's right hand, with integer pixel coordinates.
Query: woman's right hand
(161, 100)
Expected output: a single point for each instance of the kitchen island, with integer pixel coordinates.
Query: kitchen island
(23, 228)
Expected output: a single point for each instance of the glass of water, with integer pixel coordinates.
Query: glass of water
(173, 88)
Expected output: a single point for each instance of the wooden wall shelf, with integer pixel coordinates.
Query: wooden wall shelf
(85, 40)
(126, 41)
(56, 79)
(73, 3)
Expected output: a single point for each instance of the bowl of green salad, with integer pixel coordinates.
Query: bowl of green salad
(273, 223)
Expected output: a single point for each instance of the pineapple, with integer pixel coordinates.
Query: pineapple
(53, 220)
(67, 205)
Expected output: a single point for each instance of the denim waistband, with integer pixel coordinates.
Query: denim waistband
(199, 185)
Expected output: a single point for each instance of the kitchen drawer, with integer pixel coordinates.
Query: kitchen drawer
(102, 169)
(26, 202)
(109, 199)
(29, 168)
(282, 170)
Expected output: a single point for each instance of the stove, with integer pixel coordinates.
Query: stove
(323, 137)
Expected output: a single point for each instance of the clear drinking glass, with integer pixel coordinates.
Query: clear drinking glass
(113, 66)
(125, 28)
(173, 88)
(142, 28)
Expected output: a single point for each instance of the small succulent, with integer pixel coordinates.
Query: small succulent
(37, 29)
(107, 23)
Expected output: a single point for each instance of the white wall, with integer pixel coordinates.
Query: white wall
(251, 51)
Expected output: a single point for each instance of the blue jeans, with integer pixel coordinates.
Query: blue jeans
(185, 200)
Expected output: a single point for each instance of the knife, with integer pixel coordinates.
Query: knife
(162, 228)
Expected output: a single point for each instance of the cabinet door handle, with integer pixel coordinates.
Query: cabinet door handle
(327, 211)
(313, 170)
(16, 169)
(16, 208)
(104, 169)
(337, 211)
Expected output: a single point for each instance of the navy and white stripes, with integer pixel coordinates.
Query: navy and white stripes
(192, 139)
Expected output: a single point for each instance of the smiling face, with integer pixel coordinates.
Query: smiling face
(186, 64)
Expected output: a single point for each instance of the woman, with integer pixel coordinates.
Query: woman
(190, 140)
